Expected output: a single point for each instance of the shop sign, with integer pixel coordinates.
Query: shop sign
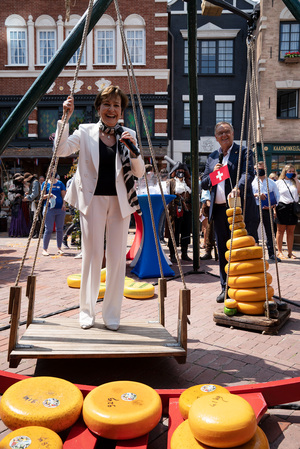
(279, 148)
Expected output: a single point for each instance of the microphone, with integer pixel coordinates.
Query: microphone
(221, 155)
(128, 142)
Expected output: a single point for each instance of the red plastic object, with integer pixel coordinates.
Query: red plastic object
(137, 239)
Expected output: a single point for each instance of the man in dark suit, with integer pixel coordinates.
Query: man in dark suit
(228, 154)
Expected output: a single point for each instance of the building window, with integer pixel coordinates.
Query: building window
(4, 114)
(17, 47)
(289, 38)
(75, 57)
(224, 112)
(287, 104)
(105, 47)
(136, 46)
(186, 114)
(47, 119)
(129, 120)
(216, 57)
(47, 46)
(186, 56)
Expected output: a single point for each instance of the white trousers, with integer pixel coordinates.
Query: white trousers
(103, 213)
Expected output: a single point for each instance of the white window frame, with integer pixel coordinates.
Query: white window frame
(105, 24)
(16, 23)
(186, 110)
(133, 24)
(74, 19)
(46, 24)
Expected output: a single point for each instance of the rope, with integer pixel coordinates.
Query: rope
(128, 60)
(54, 161)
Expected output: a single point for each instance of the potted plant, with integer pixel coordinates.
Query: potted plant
(292, 57)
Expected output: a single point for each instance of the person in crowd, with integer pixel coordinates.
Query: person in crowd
(2, 197)
(164, 177)
(228, 153)
(55, 214)
(103, 190)
(20, 223)
(260, 179)
(33, 196)
(289, 189)
(41, 180)
(180, 210)
(204, 209)
(273, 176)
(74, 225)
(209, 234)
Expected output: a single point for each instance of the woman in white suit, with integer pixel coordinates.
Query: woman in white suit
(103, 191)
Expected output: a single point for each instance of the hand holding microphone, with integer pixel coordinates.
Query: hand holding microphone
(219, 164)
(128, 142)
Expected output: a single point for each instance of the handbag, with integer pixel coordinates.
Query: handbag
(296, 205)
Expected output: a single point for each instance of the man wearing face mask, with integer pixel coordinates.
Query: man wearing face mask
(260, 179)
(180, 210)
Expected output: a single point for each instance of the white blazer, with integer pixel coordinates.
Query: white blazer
(85, 140)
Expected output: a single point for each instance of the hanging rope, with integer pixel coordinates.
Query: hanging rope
(54, 161)
(132, 74)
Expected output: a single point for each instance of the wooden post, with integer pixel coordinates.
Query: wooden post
(16, 294)
(30, 293)
(162, 293)
(184, 311)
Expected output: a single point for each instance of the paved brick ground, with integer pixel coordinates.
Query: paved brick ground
(216, 354)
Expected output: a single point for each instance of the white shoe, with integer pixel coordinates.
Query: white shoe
(112, 327)
(45, 252)
(86, 326)
(60, 252)
(79, 256)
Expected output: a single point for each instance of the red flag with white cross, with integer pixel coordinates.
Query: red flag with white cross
(219, 175)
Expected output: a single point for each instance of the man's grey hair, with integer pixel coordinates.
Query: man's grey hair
(223, 123)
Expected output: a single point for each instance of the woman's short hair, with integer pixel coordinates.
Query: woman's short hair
(111, 91)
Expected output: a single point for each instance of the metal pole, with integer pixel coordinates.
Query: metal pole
(48, 75)
(194, 130)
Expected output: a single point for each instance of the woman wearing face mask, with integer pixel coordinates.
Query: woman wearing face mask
(289, 189)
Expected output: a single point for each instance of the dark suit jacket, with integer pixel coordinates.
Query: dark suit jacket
(232, 164)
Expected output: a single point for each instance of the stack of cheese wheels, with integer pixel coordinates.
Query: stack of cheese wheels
(246, 278)
(189, 396)
(33, 437)
(41, 401)
(122, 410)
(219, 420)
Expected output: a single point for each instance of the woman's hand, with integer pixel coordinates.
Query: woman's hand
(68, 107)
(127, 136)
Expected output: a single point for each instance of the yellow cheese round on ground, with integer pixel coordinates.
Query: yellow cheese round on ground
(122, 410)
(250, 294)
(249, 252)
(41, 401)
(240, 242)
(249, 280)
(183, 438)
(237, 219)
(251, 308)
(222, 420)
(240, 232)
(246, 267)
(32, 437)
(238, 225)
(230, 303)
(229, 212)
(189, 396)
(74, 280)
(137, 290)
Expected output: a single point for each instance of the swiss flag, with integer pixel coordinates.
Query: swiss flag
(219, 175)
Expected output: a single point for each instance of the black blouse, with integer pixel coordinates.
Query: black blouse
(106, 184)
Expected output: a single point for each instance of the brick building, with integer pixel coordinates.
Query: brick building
(279, 84)
(30, 34)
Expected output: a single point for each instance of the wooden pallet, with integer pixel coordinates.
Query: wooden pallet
(260, 396)
(253, 322)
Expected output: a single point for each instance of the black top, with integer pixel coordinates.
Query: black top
(106, 184)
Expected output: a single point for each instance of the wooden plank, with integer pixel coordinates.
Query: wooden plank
(15, 296)
(30, 293)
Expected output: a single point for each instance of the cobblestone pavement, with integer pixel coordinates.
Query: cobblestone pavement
(216, 354)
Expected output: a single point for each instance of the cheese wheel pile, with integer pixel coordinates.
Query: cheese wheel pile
(32, 437)
(246, 278)
(41, 401)
(122, 410)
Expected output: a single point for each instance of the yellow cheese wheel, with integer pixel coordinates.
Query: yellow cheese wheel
(74, 280)
(237, 219)
(122, 410)
(240, 242)
(251, 308)
(183, 438)
(187, 398)
(222, 420)
(246, 267)
(41, 401)
(238, 225)
(230, 303)
(249, 280)
(249, 252)
(229, 212)
(240, 232)
(250, 294)
(138, 290)
(32, 437)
